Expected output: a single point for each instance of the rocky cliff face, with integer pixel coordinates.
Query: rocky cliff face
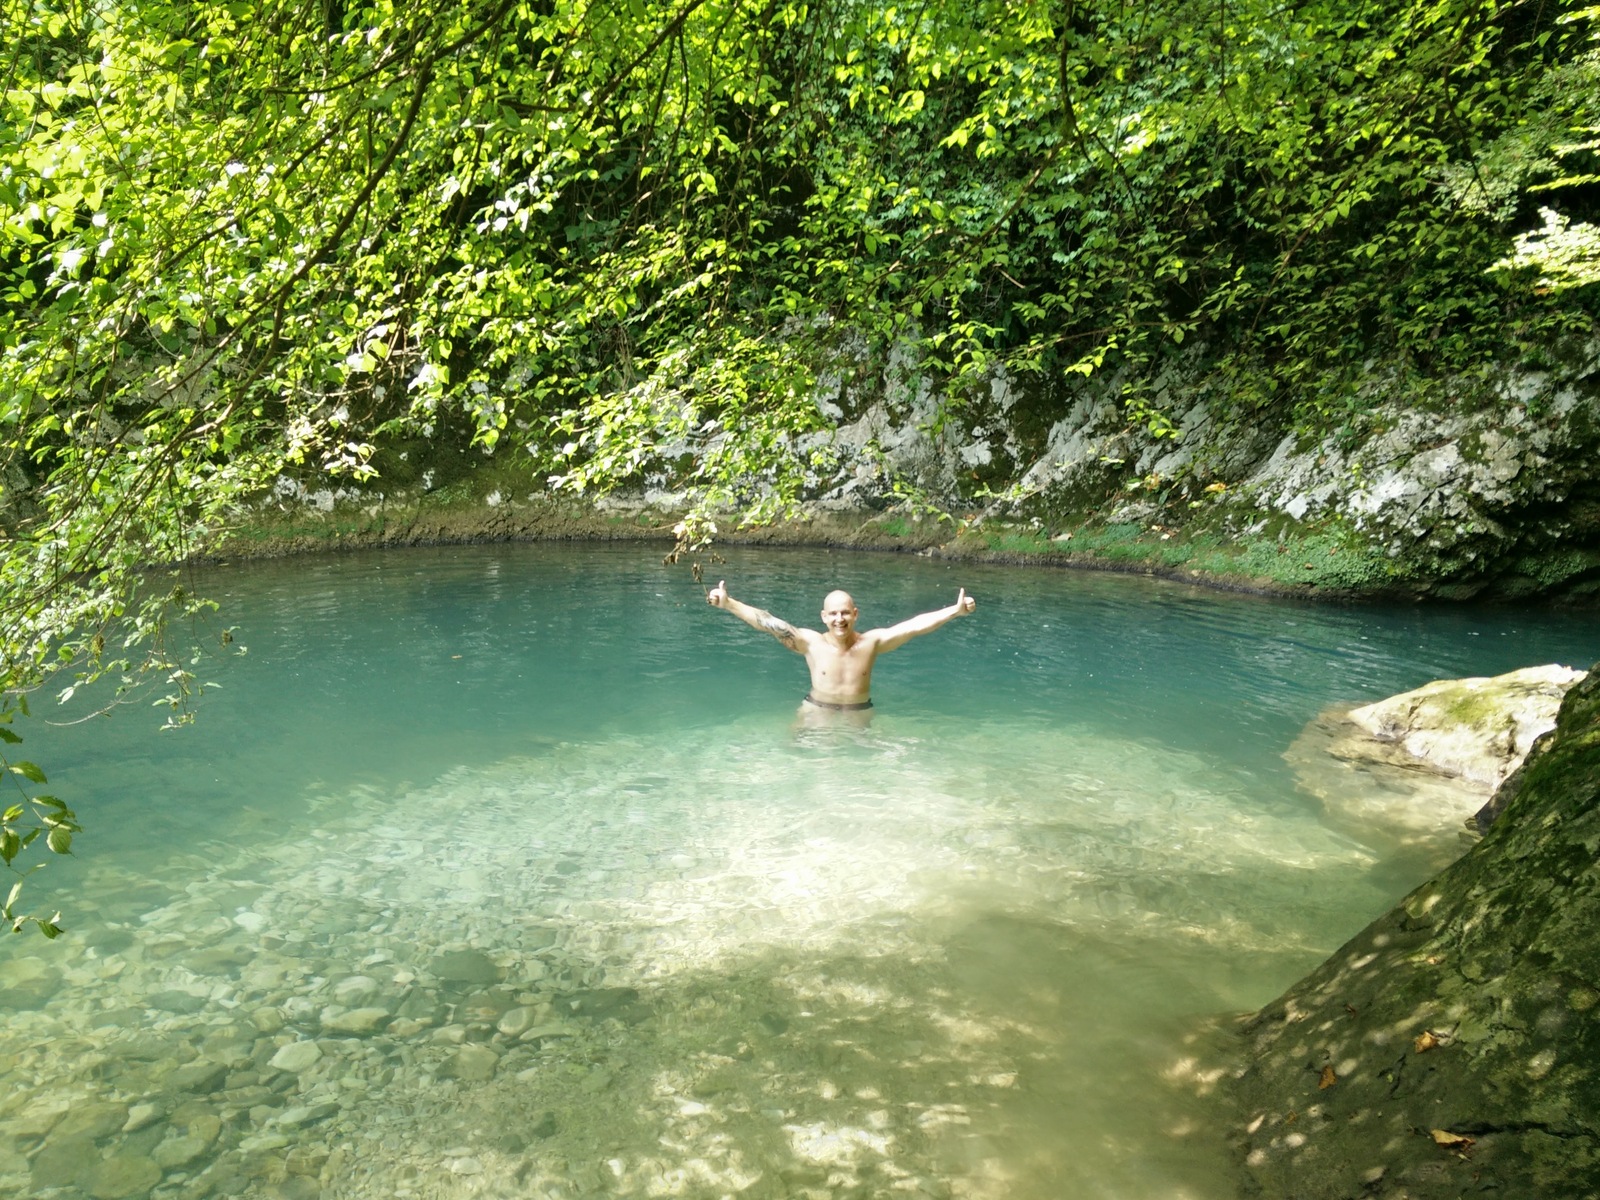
(1487, 493)
(1453, 1047)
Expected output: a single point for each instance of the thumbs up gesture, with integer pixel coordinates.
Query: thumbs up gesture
(717, 597)
(964, 603)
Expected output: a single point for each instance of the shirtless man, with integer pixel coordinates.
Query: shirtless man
(840, 659)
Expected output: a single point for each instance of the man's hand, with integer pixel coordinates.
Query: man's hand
(964, 603)
(717, 597)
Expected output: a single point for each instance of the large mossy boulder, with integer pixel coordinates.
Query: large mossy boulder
(1409, 771)
(1453, 1047)
(1478, 729)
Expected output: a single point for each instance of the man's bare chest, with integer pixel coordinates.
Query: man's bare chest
(842, 660)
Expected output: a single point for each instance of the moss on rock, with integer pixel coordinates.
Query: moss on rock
(1453, 1046)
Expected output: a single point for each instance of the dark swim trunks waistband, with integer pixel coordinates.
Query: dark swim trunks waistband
(857, 707)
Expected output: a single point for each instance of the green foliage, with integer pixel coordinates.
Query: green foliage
(1330, 559)
(27, 817)
(1561, 253)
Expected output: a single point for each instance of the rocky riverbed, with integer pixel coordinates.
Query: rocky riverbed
(341, 1022)
(622, 969)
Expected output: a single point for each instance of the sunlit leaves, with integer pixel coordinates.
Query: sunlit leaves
(23, 820)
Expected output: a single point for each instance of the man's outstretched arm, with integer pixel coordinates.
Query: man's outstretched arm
(898, 635)
(758, 618)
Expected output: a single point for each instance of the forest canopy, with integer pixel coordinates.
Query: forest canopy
(239, 240)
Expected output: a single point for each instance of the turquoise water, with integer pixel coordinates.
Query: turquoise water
(506, 871)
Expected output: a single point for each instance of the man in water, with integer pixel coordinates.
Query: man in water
(840, 659)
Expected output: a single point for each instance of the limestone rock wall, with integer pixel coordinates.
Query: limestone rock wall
(1489, 492)
(1453, 1047)
(1495, 496)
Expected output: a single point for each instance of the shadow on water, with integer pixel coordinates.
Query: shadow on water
(524, 1069)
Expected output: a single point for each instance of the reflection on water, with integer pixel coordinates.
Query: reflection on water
(512, 875)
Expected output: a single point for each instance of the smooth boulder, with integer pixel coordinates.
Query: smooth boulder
(1475, 729)
(1410, 770)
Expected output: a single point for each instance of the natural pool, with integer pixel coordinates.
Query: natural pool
(504, 871)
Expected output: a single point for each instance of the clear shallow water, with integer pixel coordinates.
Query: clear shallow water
(504, 871)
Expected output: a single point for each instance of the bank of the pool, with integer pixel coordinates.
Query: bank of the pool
(1304, 562)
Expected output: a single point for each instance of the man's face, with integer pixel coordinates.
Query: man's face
(839, 613)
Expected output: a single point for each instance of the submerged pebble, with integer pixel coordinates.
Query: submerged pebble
(296, 1057)
(121, 1176)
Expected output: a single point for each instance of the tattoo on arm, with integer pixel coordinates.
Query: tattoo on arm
(781, 630)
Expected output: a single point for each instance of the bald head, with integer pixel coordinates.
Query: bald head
(839, 615)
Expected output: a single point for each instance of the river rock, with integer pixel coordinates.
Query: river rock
(204, 1127)
(140, 1116)
(360, 1022)
(1411, 770)
(296, 1057)
(470, 1064)
(121, 1177)
(516, 1021)
(1477, 729)
(262, 1143)
(353, 990)
(1378, 793)
(12, 1162)
(150, 1047)
(62, 1161)
(485, 1007)
(177, 1152)
(296, 1187)
(201, 1078)
(465, 966)
(306, 1114)
(28, 984)
(552, 1030)
(175, 1001)
(95, 1120)
(218, 960)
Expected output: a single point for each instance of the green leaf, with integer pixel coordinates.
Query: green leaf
(28, 770)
